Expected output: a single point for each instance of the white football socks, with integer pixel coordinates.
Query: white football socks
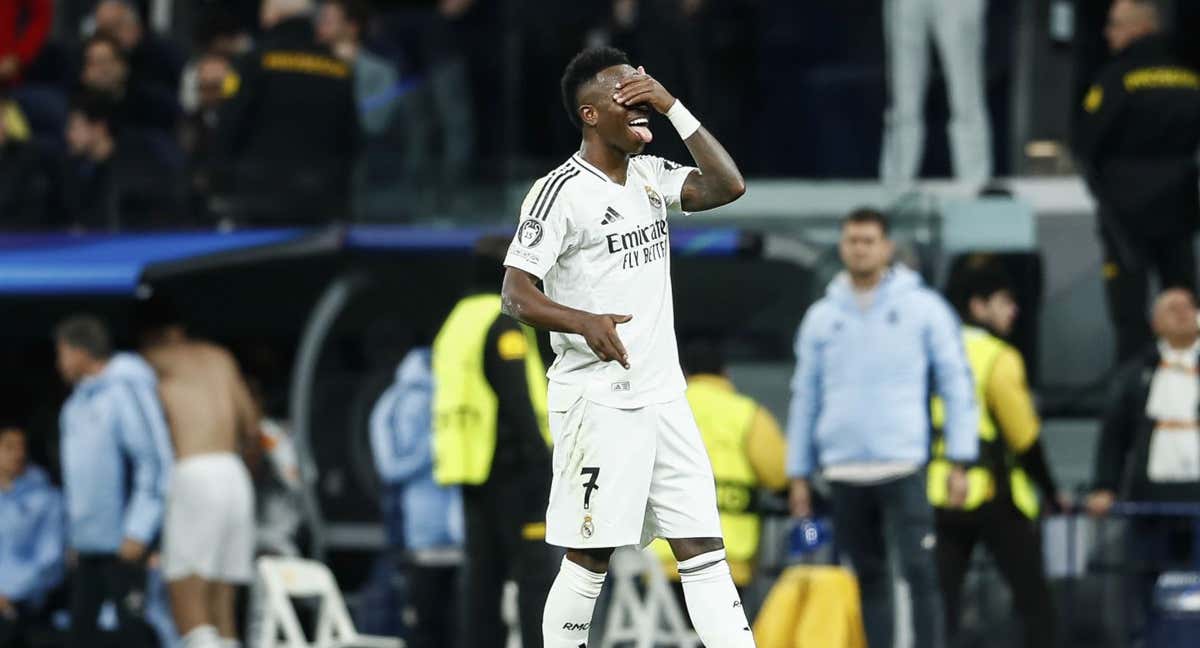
(713, 602)
(568, 614)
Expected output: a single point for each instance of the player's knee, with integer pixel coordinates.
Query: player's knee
(688, 548)
(593, 560)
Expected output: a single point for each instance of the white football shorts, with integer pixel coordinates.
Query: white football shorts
(626, 476)
(209, 529)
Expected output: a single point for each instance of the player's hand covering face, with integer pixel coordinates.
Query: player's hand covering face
(621, 101)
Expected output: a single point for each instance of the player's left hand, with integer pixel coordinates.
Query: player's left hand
(643, 89)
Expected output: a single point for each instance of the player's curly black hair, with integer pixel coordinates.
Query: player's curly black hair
(583, 68)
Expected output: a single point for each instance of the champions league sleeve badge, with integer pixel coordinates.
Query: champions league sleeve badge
(655, 199)
(530, 233)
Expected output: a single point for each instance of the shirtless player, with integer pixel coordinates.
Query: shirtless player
(208, 536)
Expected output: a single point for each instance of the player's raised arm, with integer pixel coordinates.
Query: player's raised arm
(719, 182)
(521, 299)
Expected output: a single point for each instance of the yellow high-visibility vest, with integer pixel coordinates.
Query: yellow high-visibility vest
(465, 406)
(982, 349)
(725, 418)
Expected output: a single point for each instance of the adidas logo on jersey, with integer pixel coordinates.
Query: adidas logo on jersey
(611, 216)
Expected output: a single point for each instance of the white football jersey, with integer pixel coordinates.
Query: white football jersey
(603, 248)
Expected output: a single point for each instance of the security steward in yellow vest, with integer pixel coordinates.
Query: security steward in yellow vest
(1002, 505)
(491, 437)
(1136, 136)
(747, 450)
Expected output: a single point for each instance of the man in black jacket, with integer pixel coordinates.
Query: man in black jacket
(26, 181)
(290, 126)
(1150, 442)
(1136, 138)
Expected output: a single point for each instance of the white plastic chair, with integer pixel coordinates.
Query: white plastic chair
(284, 578)
(650, 620)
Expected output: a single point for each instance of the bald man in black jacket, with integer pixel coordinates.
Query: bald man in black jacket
(1136, 137)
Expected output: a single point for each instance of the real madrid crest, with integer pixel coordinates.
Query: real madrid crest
(655, 199)
(587, 529)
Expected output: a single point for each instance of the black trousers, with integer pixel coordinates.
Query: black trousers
(12, 632)
(105, 577)
(1128, 263)
(432, 591)
(874, 521)
(497, 515)
(1015, 544)
(1154, 545)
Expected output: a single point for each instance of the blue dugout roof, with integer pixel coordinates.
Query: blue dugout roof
(48, 264)
(687, 241)
(116, 264)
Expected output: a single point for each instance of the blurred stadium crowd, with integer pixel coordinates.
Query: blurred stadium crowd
(117, 115)
(112, 124)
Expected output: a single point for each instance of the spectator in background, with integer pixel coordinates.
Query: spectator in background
(424, 519)
(1136, 138)
(114, 178)
(859, 414)
(957, 28)
(1150, 443)
(26, 181)
(153, 62)
(89, 194)
(32, 551)
(217, 34)
(106, 72)
(439, 116)
(747, 450)
(24, 26)
(341, 26)
(450, 83)
(1001, 508)
(116, 463)
(291, 129)
(199, 132)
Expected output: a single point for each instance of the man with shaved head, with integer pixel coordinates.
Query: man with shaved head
(1136, 137)
(1150, 442)
(629, 462)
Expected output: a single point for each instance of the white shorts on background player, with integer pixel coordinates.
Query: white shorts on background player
(626, 476)
(209, 529)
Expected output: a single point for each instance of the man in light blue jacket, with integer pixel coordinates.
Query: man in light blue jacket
(424, 518)
(860, 415)
(116, 461)
(31, 538)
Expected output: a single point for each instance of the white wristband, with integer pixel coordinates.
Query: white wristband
(682, 119)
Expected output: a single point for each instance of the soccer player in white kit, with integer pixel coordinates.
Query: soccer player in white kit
(629, 463)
